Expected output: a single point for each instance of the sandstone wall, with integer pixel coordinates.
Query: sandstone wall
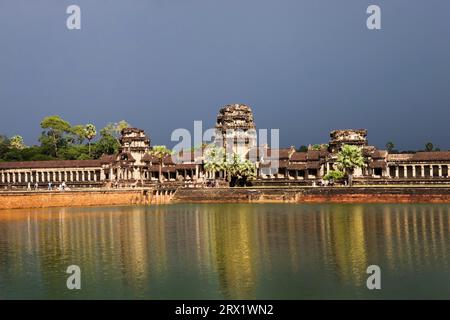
(42, 199)
(316, 195)
(16, 200)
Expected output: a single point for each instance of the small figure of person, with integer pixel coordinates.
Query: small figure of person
(29, 186)
(63, 186)
(36, 186)
(49, 186)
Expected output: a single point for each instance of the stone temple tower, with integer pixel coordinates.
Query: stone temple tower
(235, 129)
(357, 137)
(134, 144)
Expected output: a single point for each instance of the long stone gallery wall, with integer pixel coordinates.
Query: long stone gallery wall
(21, 200)
(316, 195)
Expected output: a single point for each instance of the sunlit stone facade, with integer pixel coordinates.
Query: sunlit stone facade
(381, 166)
(236, 131)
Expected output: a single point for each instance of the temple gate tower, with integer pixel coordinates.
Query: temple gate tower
(127, 164)
(356, 137)
(134, 144)
(235, 129)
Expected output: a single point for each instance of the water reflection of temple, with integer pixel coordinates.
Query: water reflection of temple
(234, 251)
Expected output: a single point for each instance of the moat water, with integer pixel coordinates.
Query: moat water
(227, 251)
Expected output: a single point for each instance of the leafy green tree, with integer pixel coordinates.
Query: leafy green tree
(90, 133)
(318, 147)
(47, 146)
(239, 171)
(429, 146)
(74, 152)
(13, 155)
(390, 146)
(55, 128)
(122, 124)
(79, 132)
(214, 159)
(334, 175)
(302, 149)
(160, 152)
(41, 157)
(16, 142)
(35, 153)
(348, 159)
(107, 144)
(84, 157)
(114, 129)
(4, 145)
(108, 130)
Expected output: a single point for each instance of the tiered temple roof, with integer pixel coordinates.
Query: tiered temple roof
(235, 116)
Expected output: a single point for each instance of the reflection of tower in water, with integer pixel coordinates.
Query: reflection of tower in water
(235, 250)
(349, 244)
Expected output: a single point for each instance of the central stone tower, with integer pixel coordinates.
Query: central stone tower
(338, 138)
(235, 129)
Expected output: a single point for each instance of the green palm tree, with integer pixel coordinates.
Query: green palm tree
(214, 159)
(429, 146)
(16, 142)
(349, 158)
(90, 133)
(240, 171)
(160, 152)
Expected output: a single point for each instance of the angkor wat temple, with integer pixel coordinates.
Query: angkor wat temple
(235, 130)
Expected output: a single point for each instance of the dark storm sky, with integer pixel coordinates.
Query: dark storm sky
(304, 66)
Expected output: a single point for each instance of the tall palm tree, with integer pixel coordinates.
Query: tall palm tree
(349, 158)
(214, 159)
(160, 152)
(17, 142)
(240, 171)
(90, 133)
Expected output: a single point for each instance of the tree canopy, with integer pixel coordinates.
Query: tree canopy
(335, 175)
(16, 142)
(214, 158)
(240, 172)
(60, 140)
(349, 158)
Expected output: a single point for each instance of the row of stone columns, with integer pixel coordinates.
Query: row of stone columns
(21, 176)
(124, 174)
(416, 173)
(286, 174)
(298, 174)
(189, 174)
